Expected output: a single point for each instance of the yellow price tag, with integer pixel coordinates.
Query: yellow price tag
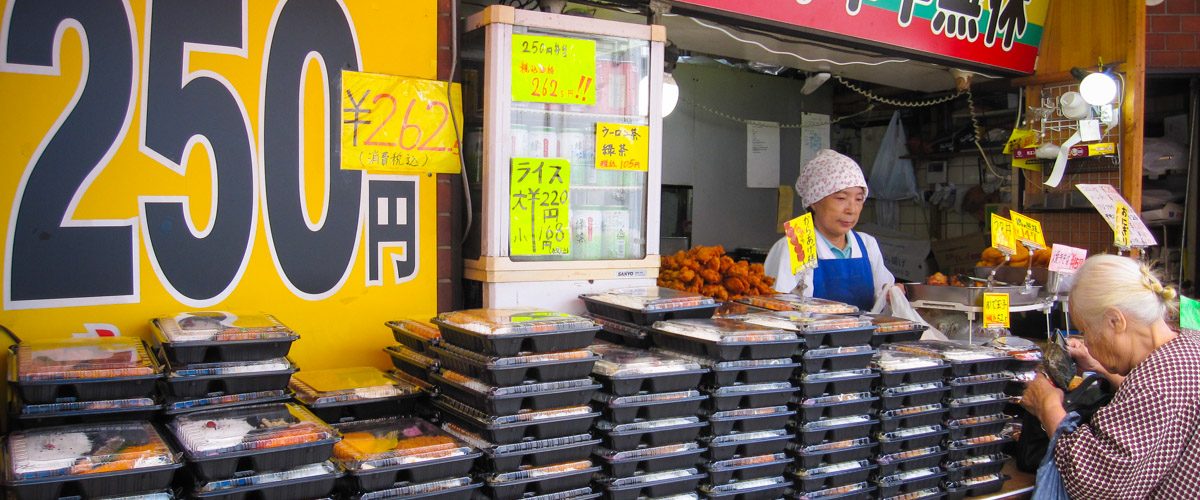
(802, 242)
(538, 207)
(1019, 138)
(399, 124)
(1003, 235)
(995, 310)
(553, 69)
(1121, 234)
(622, 147)
(1028, 230)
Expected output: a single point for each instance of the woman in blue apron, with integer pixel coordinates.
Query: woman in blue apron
(850, 267)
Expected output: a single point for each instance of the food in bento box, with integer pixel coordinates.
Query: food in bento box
(832, 468)
(514, 321)
(744, 461)
(622, 360)
(651, 298)
(918, 495)
(723, 330)
(212, 432)
(950, 351)
(906, 476)
(888, 361)
(836, 398)
(890, 324)
(905, 455)
(535, 472)
(84, 358)
(833, 492)
(979, 460)
(85, 449)
(793, 302)
(221, 326)
(376, 443)
(806, 321)
(836, 445)
(334, 385)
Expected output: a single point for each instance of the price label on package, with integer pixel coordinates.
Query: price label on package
(1066, 259)
(1004, 237)
(538, 207)
(802, 242)
(399, 124)
(1028, 230)
(1121, 233)
(995, 310)
(553, 69)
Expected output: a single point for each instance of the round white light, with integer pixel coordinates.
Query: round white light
(670, 95)
(1098, 89)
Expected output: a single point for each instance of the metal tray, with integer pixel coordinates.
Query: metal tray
(970, 296)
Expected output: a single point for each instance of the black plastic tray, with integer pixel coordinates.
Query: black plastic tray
(215, 385)
(838, 338)
(654, 489)
(748, 448)
(650, 464)
(957, 454)
(291, 489)
(764, 492)
(718, 426)
(857, 383)
(837, 362)
(84, 416)
(414, 342)
(513, 490)
(922, 441)
(976, 430)
(725, 351)
(978, 367)
(466, 491)
(809, 460)
(834, 410)
(508, 433)
(657, 382)
(960, 473)
(651, 410)
(928, 417)
(190, 353)
(837, 433)
(643, 317)
(921, 462)
(893, 378)
(285, 395)
(976, 409)
(417, 364)
(537, 457)
(722, 475)
(976, 490)
(350, 411)
(516, 343)
(978, 388)
(833, 480)
(910, 486)
(489, 372)
(228, 465)
(880, 338)
(99, 389)
(620, 332)
(421, 472)
(626, 440)
(758, 399)
(720, 376)
(511, 404)
(915, 398)
(863, 494)
(95, 485)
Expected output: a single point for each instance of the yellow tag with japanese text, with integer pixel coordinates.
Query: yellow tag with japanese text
(622, 147)
(995, 310)
(538, 207)
(399, 124)
(1003, 235)
(553, 69)
(1028, 230)
(1121, 234)
(802, 242)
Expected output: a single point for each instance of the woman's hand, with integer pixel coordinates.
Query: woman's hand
(1045, 401)
(1086, 363)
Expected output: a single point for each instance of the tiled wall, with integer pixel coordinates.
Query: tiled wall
(1173, 35)
(915, 219)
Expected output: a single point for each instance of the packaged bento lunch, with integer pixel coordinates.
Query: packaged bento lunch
(84, 369)
(507, 332)
(792, 302)
(219, 433)
(642, 305)
(220, 326)
(75, 450)
(414, 334)
(381, 452)
(724, 339)
(345, 385)
(306, 481)
(622, 361)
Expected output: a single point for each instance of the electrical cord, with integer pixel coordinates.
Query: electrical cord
(896, 102)
(741, 120)
(785, 53)
(462, 162)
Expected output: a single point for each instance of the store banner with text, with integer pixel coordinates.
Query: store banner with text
(539, 208)
(175, 155)
(399, 124)
(997, 34)
(553, 69)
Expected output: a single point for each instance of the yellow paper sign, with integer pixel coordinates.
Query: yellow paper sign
(784, 211)
(399, 124)
(1003, 235)
(1020, 138)
(995, 310)
(539, 208)
(1121, 234)
(1028, 230)
(553, 69)
(622, 147)
(802, 242)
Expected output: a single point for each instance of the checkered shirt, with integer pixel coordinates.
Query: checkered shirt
(1146, 442)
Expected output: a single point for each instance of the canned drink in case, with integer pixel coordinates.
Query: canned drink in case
(615, 227)
(585, 234)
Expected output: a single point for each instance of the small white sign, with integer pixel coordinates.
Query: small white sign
(1089, 130)
(1066, 259)
(1105, 198)
(762, 154)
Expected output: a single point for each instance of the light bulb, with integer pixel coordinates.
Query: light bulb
(1098, 89)
(670, 95)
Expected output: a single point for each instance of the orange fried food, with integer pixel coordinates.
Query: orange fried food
(937, 279)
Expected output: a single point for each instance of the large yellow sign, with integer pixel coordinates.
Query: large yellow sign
(178, 155)
(396, 124)
(553, 69)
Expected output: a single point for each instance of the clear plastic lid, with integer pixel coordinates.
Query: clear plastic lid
(972, 481)
(111, 404)
(161, 495)
(83, 358)
(835, 422)
(980, 399)
(85, 449)
(747, 484)
(623, 361)
(521, 416)
(750, 388)
(917, 495)
(670, 449)
(658, 397)
(978, 460)
(747, 461)
(797, 321)
(911, 388)
(654, 477)
(336, 385)
(226, 399)
(477, 441)
(908, 455)
(371, 444)
(723, 330)
(910, 410)
(906, 476)
(651, 298)
(823, 376)
(890, 324)
(980, 379)
(483, 389)
(830, 352)
(833, 492)
(214, 432)
(834, 468)
(835, 399)
(977, 441)
(416, 328)
(515, 321)
(836, 445)
(1025, 376)
(417, 489)
(221, 326)
(732, 309)
(748, 436)
(302, 472)
(536, 472)
(646, 425)
(894, 361)
(792, 302)
(948, 350)
(208, 369)
(564, 495)
(1019, 348)
(910, 432)
(620, 327)
(399, 351)
(713, 364)
(522, 359)
(748, 412)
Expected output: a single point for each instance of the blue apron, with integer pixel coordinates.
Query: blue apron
(846, 280)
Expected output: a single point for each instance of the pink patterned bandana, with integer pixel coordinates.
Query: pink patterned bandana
(828, 173)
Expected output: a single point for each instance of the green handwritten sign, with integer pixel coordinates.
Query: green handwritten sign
(1189, 313)
(553, 69)
(538, 207)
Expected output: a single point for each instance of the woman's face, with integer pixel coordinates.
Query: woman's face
(835, 215)
(1101, 342)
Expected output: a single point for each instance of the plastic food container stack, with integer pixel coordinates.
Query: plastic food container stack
(221, 337)
(625, 314)
(514, 383)
(793, 302)
(890, 329)
(279, 450)
(83, 380)
(377, 455)
(339, 395)
(204, 386)
(413, 352)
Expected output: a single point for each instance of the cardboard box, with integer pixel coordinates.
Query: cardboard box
(959, 255)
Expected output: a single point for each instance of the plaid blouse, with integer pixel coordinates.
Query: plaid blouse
(1146, 442)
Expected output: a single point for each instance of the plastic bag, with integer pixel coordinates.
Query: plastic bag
(892, 179)
(893, 302)
(1049, 483)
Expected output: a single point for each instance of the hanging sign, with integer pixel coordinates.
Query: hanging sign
(1003, 235)
(995, 310)
(1028, 230)
(802, 242)
(1121, 232)
(1106, 199)
(399, 124)
(553, 69)
(622, 147)
(538, 206)
(1066, 259)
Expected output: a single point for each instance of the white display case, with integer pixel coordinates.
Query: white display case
(613, 214)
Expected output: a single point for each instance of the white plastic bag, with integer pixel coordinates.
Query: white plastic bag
(892, 179)
(893, 302)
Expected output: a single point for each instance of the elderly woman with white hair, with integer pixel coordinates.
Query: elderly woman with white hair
(850, 267)
(1146, 442)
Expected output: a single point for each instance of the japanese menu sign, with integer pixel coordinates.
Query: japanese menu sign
(1106, 199)
(1121, 231)
(1066, 259)
(1028, 230)
(538, 207)
(802, 242)
(553, 69)
(399, 124)
(1004, 236)
(622, 147)
(995, 310)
